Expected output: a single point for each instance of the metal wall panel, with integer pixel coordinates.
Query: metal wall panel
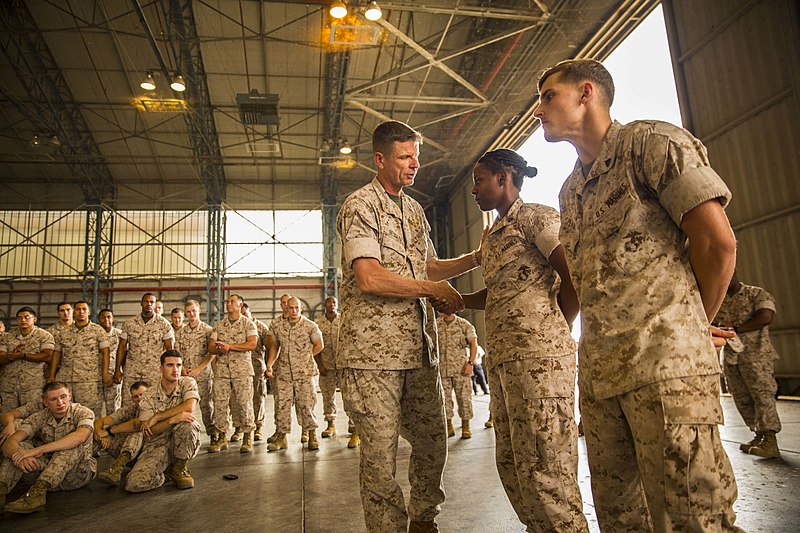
(738, 82)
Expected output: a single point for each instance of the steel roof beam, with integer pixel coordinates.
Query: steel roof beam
(467, 11)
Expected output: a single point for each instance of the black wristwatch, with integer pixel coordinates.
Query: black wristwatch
(471, 363)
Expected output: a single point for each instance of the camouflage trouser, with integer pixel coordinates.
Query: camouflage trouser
(299, 392)
(126, 442)
(259, 398)
(656, 458)
(65, 470)
(536, 441)
(384, 405)
(462, 385)
(88, 394)
(205, 388)
(236, 394)
(180, 442)
(16, 393)
(274, 391)
(327, 384)
(112, 396)
(753, 388)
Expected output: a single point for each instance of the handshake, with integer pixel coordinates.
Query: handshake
(444, 298)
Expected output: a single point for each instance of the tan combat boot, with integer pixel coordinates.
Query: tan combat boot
(237, 435)
(745, 447)
(355, 440)
(329, 431)
(272, 437)
(466, 432)
(279, 443)
(422, 527)
(304, 437)
(313, 443)
(489, 423)
(114, 472)
(767, 446)
(220, 443)
(247, 443)
(258, 435)
(451, 431)
(180, 473)
(32, 502)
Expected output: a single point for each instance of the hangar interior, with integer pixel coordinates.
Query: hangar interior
(110, 190)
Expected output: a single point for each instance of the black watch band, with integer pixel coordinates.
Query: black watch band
(108, 430)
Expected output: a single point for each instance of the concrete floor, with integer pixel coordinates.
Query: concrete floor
(300, 491)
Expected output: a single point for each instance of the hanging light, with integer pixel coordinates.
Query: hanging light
(345, 148)
(148, 83)
(373, 12)
(177, 83)
(36, 141)
(338, 9)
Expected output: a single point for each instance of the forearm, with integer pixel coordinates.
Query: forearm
(317, 348)
(67, 442)
(205, 362)
(129, 426)
(473, 350)
(373, 279)
(762, 318)
(122, 353)
(439, 269)
(273, 356)
(41, 357)
(106, 360)
(185, 406)
(54, 362)
(11, 446)
(475, 300)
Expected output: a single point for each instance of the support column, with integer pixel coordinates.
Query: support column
(97, 257)
(216, 263)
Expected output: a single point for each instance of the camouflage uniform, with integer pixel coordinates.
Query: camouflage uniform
(22, 381)
(55, 330)
(648, 375)
(390, 377)
(125, 442)
(328, 383)
(272, 387)
(454, 337)
(65, 470)
(193, 345)
(750, 373)
(531, 363)
(294, 370)
(259, 367)
(145, 346)
(234, 375)
(80, 366)
(112, 394)
(182, 441)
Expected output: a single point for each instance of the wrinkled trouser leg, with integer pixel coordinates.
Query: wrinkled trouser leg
(181, 442)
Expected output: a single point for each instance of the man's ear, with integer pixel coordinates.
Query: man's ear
(587, 91)
(379, 160)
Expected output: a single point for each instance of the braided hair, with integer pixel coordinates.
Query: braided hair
(511, 162)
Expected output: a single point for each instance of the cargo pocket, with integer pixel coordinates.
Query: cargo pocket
(352, 397)
(693, 459)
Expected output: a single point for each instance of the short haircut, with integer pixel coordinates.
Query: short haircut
(58, 307)
(26, 309)
(511, 162)
(105, 310)
(176, 310)
(190, 303)
(145, 295)
(390, 132)
(245, 306)
(332, 298)
(54, 385)
(237, 296)
(82, 302)
(137, 384)
(580, 70)
(170, 353)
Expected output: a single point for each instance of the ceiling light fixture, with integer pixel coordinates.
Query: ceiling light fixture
(36, 141)
(177, 83)
(338, 10)
(373, 12)
(345, 147)
(148, 83)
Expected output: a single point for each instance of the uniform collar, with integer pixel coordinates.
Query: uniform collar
(387, 205)
(509, 217)
(604, 161)
(51, 420)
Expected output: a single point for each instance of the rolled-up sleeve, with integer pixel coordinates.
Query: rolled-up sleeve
(359, 232)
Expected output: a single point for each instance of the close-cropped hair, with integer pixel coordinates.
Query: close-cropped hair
(82, 302)
(54, 385)
(390, 132)
(105, 310)
(58, 307)
(577, 71)
(510, 161)
(137, 384)
(170, 353)
(145, 295)
(26, 309)
(190, 303)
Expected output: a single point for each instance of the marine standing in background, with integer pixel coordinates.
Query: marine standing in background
(750, 366)
(259, 357)
(111, 391)
(23, 354)
(456, 336)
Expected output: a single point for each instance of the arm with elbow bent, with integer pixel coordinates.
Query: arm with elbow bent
(373, 278)
(567, 296)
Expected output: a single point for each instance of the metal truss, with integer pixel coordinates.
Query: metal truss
(185, 45)
(98, 257)
(216, 263)
(51, 108)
